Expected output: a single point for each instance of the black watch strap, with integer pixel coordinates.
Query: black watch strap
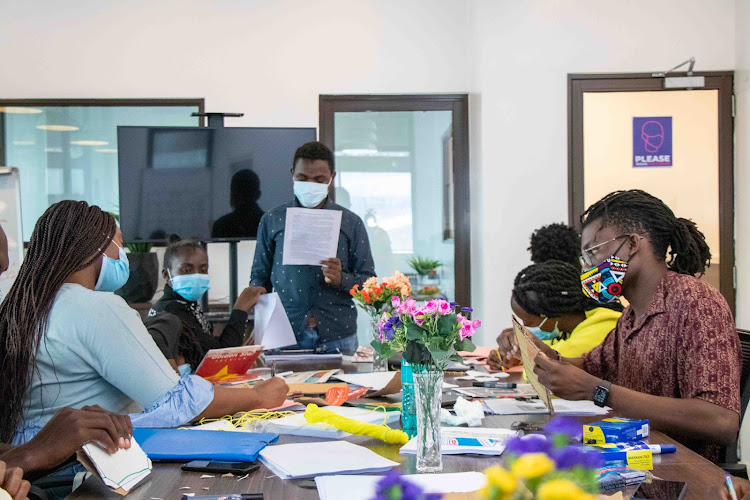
(601, 393)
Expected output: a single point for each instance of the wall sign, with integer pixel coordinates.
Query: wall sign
(652, 141)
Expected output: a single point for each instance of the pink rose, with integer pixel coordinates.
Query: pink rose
(395, 302)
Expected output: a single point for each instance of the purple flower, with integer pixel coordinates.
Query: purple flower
(577, 456)
(453, 305)
(567, 426)
(531, 443)
(388, 329)
(467, 309)
(394, 486)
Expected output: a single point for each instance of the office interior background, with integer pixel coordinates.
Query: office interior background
(272, 59)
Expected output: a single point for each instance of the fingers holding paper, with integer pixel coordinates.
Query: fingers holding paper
(332, 271)
(563, 379)
(11, 480)
(508, 348)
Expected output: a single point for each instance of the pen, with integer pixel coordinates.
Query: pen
(497, 351)
(495, 385)
(730, 485)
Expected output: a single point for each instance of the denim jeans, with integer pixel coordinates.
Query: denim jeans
(310, 340)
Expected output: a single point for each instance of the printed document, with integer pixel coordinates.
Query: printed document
(310, 236)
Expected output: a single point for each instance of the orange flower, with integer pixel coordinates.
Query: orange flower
(366, 296)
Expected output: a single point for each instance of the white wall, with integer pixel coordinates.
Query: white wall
(742, 177)
(271, 60)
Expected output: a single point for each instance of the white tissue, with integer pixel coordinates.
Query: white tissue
(467, 413)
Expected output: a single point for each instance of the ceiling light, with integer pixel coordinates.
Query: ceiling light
(373, 153)
(19, 110)
(53, 150)
(23, 143)
(89, 143)
(105, 150)
(57, 128)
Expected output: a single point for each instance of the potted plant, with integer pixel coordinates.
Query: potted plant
(427, 277)
(429, 336)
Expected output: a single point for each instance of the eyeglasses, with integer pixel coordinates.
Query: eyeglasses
(588, 256)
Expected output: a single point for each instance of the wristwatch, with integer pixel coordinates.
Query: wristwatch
(601, 393)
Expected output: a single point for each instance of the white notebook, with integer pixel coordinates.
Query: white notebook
(298, 460)
(122, 470)
(363, 487)
(467, 440)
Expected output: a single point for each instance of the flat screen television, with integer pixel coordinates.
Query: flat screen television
(210, 184)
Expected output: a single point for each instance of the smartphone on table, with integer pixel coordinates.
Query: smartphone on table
(237, 468)
(660, 490)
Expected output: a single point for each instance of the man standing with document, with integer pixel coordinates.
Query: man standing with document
(312, 252)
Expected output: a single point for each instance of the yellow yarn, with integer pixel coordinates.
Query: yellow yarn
(315, 414)
(241, 422)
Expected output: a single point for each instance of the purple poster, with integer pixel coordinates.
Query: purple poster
(652, 141)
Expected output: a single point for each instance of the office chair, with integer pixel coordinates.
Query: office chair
(729, 453)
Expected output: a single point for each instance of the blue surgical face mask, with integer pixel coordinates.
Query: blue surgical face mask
(310, 194)
(191, 286)
(541, 334)
(114, 273)
(184, 370)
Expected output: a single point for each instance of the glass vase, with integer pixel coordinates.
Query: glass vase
(428, 389)
(378, 364)
(408, 405)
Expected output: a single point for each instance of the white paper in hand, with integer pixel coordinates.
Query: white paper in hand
(272, 327)
(122, 470)
(310, 236)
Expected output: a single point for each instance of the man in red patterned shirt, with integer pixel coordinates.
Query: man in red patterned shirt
(674, 357)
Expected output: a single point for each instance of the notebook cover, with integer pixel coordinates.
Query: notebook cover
(220, 364)
(183, 444)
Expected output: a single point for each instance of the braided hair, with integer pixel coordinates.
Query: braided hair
(68, 237)
(178, 248)
(551, 289)
(555, 242)
(639, 212)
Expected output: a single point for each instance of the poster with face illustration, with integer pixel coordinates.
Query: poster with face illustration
(652, 141)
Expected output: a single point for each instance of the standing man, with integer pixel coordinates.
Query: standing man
(316, 300)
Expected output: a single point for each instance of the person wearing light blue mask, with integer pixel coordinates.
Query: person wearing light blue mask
(186, 272)
(315, 297)
(547, 299)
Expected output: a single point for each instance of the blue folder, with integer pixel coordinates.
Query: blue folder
(186, 444)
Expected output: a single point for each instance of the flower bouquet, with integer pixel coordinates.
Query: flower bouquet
(429, 336)
(546, 467)
(376, 298)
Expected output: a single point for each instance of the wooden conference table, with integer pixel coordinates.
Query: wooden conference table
(167, 479)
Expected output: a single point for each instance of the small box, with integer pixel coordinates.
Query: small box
(615, 430)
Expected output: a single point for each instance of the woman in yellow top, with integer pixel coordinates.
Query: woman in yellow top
(548, 299)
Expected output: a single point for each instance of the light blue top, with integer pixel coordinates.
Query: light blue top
(97, 351)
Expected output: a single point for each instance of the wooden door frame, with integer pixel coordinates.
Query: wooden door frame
(459, 105)
(723, 82)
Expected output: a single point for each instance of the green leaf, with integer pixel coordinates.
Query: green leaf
(446, 325)
(439, 355)
(456, 358)
(417, 354)
(465, 345)
(413, 332)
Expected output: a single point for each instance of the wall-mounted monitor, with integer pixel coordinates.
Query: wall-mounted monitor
(203, 183)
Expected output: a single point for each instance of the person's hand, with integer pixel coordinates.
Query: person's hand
(564, 380)
(509, 354)
(741, 489)
(11, 480)
(271, 393)
(70, 429)
(249, 297)
(332, 271)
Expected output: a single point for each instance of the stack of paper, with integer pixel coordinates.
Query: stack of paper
(462, 440)
(298, 460)
(120, 471)
(296, 425)
(363, 487)
(311, 377)
(374, 380)
(535, 406)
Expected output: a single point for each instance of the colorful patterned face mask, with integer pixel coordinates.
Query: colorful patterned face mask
(603, 283)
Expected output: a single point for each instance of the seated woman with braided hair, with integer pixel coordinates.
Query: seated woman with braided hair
(547, 299)
(67, 341)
